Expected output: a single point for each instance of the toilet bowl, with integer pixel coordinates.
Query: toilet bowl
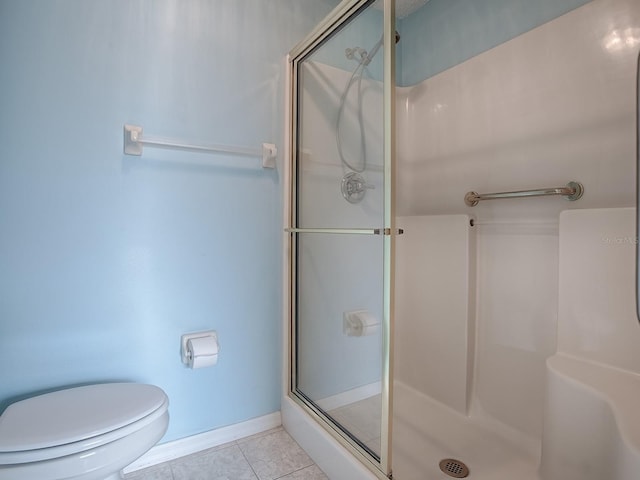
(83, 433)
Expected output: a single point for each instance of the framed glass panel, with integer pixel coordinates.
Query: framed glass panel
(342, 226)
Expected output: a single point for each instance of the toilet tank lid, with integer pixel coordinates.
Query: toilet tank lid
(75, 414)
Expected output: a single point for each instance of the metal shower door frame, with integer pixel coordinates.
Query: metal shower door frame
(341, 14)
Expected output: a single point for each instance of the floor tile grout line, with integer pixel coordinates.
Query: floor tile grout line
(274, 431)
(240, 445)
(173, 477)
(291, 473)
(224, 446)
(249, 463)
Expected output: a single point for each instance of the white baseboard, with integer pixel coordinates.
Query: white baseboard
(350, 396)
(165, 452)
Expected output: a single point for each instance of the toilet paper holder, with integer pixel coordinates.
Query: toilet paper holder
(184, 340)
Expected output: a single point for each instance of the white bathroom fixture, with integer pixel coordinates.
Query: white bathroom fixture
(199, 349)
(359, 323)
(134, 142)
(83, 433)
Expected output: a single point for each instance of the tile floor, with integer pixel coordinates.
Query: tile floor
(268, 455)
(363, 419)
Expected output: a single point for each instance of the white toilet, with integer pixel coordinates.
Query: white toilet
(82, 433)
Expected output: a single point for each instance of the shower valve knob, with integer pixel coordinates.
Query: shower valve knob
(354, 187)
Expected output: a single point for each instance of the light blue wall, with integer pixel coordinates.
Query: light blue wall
(445, 33)
(106, 259)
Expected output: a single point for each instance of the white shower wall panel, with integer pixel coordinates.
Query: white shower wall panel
(517, 301)
(337, 273)
(597, 315)
(320, 202)
(553, 105)
(434, 309)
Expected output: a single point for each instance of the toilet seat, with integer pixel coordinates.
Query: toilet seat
(77, 419)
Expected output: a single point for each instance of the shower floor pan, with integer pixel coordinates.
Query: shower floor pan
(426, 432)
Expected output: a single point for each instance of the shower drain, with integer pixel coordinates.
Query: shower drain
(454, 468)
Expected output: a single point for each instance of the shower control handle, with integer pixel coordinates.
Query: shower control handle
(354, 187)
(359, 186)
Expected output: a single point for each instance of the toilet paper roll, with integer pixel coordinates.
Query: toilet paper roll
(202, 351)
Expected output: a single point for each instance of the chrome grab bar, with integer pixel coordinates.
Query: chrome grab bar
(573, 191)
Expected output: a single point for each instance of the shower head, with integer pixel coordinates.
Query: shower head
(372, 53)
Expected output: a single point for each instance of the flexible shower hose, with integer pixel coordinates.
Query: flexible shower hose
(356, 75)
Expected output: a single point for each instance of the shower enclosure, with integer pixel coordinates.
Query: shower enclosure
(341, 227)
(473, 285)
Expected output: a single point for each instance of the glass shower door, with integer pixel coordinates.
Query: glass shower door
(342, 227)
